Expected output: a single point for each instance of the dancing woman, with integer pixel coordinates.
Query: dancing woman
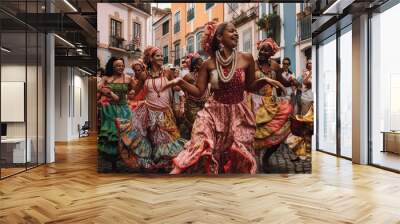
(193, 104)
(272, 114)
(113, 88)
(150, 140)
(136, 98)
(223, 132)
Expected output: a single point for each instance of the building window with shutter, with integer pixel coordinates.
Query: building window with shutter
(209, 5)
(165, 28)
(116, 34)
(190, 11)
(177, 22)
(247, 40)
(198, 42)
(165, 54)
(190, 45)
(137, 34)
(177, 55)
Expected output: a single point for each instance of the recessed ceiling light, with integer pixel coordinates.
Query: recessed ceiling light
(70, 5)
(5, 50)
(64, 40)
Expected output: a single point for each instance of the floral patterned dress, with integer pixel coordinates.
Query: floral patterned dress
(151, 139)
(223, 131)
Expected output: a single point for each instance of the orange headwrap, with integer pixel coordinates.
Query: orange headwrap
(268, 41)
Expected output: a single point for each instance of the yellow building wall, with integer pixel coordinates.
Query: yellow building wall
(175, 7)
(201, 16)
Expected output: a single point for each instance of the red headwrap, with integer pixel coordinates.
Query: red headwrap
(209, 31)
(268, 41)
(148, 53)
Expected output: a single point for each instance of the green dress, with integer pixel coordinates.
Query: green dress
(108, 134)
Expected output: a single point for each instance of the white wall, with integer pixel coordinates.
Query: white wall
(33, 127)
(104, 13)
(69, 85)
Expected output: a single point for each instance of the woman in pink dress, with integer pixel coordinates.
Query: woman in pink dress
(151, 139)
(223, 132)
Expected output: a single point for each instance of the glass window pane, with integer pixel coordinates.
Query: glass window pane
(346, 94)
(13, 85)
(327, 96)
(31, 97)
(385, 88)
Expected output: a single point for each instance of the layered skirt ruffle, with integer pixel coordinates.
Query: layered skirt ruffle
(272, 120)
(221, 140)
(150, 140)
(108, 134)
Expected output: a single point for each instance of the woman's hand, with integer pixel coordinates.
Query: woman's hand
(114, 96)
(172, 83)
(106, 90)
(276, 84)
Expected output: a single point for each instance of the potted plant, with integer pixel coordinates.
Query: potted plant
(271, 24)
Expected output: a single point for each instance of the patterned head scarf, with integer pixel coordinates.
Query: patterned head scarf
(268, 41)
(206, 40)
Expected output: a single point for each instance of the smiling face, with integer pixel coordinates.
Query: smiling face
(119, 67)
(229, 38)
(157, 59)
(199, 63)
(265, 53)
(137, 68)
(285, 64)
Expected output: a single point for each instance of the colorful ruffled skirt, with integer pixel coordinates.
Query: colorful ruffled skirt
(221, 141)
(272, 120)
(150, 140)
(108, 133)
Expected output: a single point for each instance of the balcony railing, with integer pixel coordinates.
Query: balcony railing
(145, 7)
(190, 14)
(305, 27)
(116, 41)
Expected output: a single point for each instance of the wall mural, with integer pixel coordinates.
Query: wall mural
(203, 105)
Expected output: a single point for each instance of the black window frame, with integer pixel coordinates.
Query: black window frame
(165, 27)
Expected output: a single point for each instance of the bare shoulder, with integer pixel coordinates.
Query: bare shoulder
(128, 77)
(245, 55)
(209, 64)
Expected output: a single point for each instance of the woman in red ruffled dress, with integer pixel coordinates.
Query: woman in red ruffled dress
(223, 132)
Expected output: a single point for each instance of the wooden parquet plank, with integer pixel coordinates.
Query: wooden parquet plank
(71, 191)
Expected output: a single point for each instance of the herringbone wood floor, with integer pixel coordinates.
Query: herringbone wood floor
(71, 191)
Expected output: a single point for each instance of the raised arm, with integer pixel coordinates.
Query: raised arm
(201, 83)
(194, 90)
(253, 84)
(139, 85)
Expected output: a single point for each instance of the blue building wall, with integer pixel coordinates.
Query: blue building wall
(290, 26)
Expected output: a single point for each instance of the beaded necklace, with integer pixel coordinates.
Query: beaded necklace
(153, 80)
(231, 60)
